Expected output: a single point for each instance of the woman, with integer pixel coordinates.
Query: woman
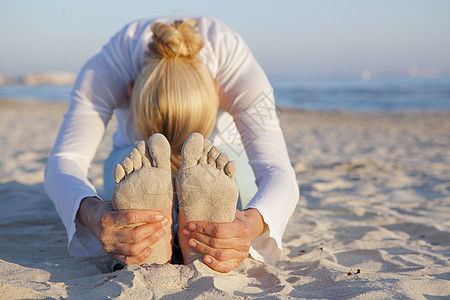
(175, 78)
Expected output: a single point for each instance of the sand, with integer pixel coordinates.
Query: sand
(375, 197)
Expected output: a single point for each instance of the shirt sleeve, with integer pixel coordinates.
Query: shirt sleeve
(100, 87)
(247, 95)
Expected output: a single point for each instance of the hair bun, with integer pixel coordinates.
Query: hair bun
(180, 39)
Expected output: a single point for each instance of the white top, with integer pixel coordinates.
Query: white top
(245, 94)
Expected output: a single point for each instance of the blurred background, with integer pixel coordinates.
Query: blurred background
(322, 55)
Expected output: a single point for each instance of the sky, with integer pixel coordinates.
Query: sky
(288, 38)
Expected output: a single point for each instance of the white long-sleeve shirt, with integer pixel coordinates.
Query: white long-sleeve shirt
(246, 97)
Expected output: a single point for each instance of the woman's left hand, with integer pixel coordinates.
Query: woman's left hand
(225, 245)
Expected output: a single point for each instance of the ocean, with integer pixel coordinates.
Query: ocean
(357, 95)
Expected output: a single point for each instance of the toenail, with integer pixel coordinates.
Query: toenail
(192, 243)
(192, 226)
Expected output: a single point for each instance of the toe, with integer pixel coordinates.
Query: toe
(192, 150)
(212, 155)
(119, 173)
(230, 169)
(206, 147)
(159, 149)
(127, 165)
(143, 151)
(221, 161)
(136, 159)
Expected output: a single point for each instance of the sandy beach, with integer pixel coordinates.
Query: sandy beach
(373, 219)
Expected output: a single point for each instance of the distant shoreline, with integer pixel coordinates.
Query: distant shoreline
(348, 95)
(41, 78)
(36, 104)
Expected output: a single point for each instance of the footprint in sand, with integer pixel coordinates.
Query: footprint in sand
(205, 187)
(144, 181)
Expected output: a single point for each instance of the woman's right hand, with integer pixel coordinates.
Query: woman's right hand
(126, 235)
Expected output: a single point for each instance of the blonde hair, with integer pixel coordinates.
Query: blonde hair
(174, 93)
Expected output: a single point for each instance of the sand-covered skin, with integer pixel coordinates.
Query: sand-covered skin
(144, 181)
(205, 187)
(375, 196)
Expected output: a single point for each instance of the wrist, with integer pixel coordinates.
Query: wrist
(256, 222)
(86, 211)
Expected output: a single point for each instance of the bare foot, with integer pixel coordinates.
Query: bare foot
(144, 181)
(205, 187)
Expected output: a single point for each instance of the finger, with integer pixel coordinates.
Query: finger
(136, 248)
(240, 244)
(219, 254)
(218, 230)
(221, 266)
(136, 216)
(132, 235)
(132, 260)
